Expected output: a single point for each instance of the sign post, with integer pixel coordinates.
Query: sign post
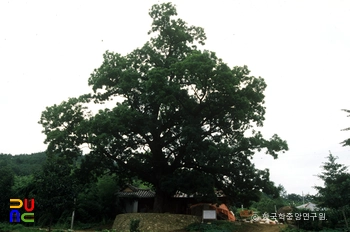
(209, 215)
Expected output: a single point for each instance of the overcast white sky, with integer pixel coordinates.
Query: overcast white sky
(301, 48)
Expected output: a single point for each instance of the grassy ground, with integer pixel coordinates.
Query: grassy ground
(160, 223)
(152, 223)
(224, 226)
(11, 227)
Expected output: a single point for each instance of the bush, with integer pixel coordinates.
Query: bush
(134, 225)
(9, 227)
(308, 223)
(215, 226)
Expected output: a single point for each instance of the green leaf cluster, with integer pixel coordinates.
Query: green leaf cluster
(346, 142)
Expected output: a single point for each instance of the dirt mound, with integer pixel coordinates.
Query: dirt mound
(154, 222)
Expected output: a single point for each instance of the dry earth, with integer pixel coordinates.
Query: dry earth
(152, 222)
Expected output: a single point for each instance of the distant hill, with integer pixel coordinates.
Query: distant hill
(24, 164)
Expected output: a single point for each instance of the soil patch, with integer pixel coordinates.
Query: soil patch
(153, 222)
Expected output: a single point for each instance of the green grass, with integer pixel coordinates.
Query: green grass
(214, 226)
(21, 227)
(15, 227)
(293, 229)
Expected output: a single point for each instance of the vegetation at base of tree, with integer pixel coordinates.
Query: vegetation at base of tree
(291, 228)
(7, 227)
(214, 226)
(134, 225)
(97, 201)
(306, 222)
(335, 218)
(268, 204)
(13, 227)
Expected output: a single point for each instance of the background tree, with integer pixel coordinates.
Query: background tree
(183, 119)
(269, 203)
(335, 192)
(55, 190)
(296, 199)
(23, 186)
(6, 183)
(24, 164)
(97, 201)
(347, 141)
(16, 179)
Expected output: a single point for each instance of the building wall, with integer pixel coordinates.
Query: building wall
(179, 205)
(145, 205)
(131, 206)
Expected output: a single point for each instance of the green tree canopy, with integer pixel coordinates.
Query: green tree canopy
(335, 193)
(23, 164)
(55, 188)
(6, 183)
(185, 121)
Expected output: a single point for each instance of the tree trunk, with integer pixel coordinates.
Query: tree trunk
(346, 222)
(160, 201)
(50, 223)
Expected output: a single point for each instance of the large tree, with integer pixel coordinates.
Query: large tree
(184, 121)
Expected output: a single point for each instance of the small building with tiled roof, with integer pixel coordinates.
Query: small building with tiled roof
(141, 200)
(131, 191)
(136, 199)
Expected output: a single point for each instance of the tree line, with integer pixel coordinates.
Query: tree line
(58, 187)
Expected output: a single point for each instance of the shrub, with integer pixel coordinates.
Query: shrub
(215, 226)
(134, 225)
